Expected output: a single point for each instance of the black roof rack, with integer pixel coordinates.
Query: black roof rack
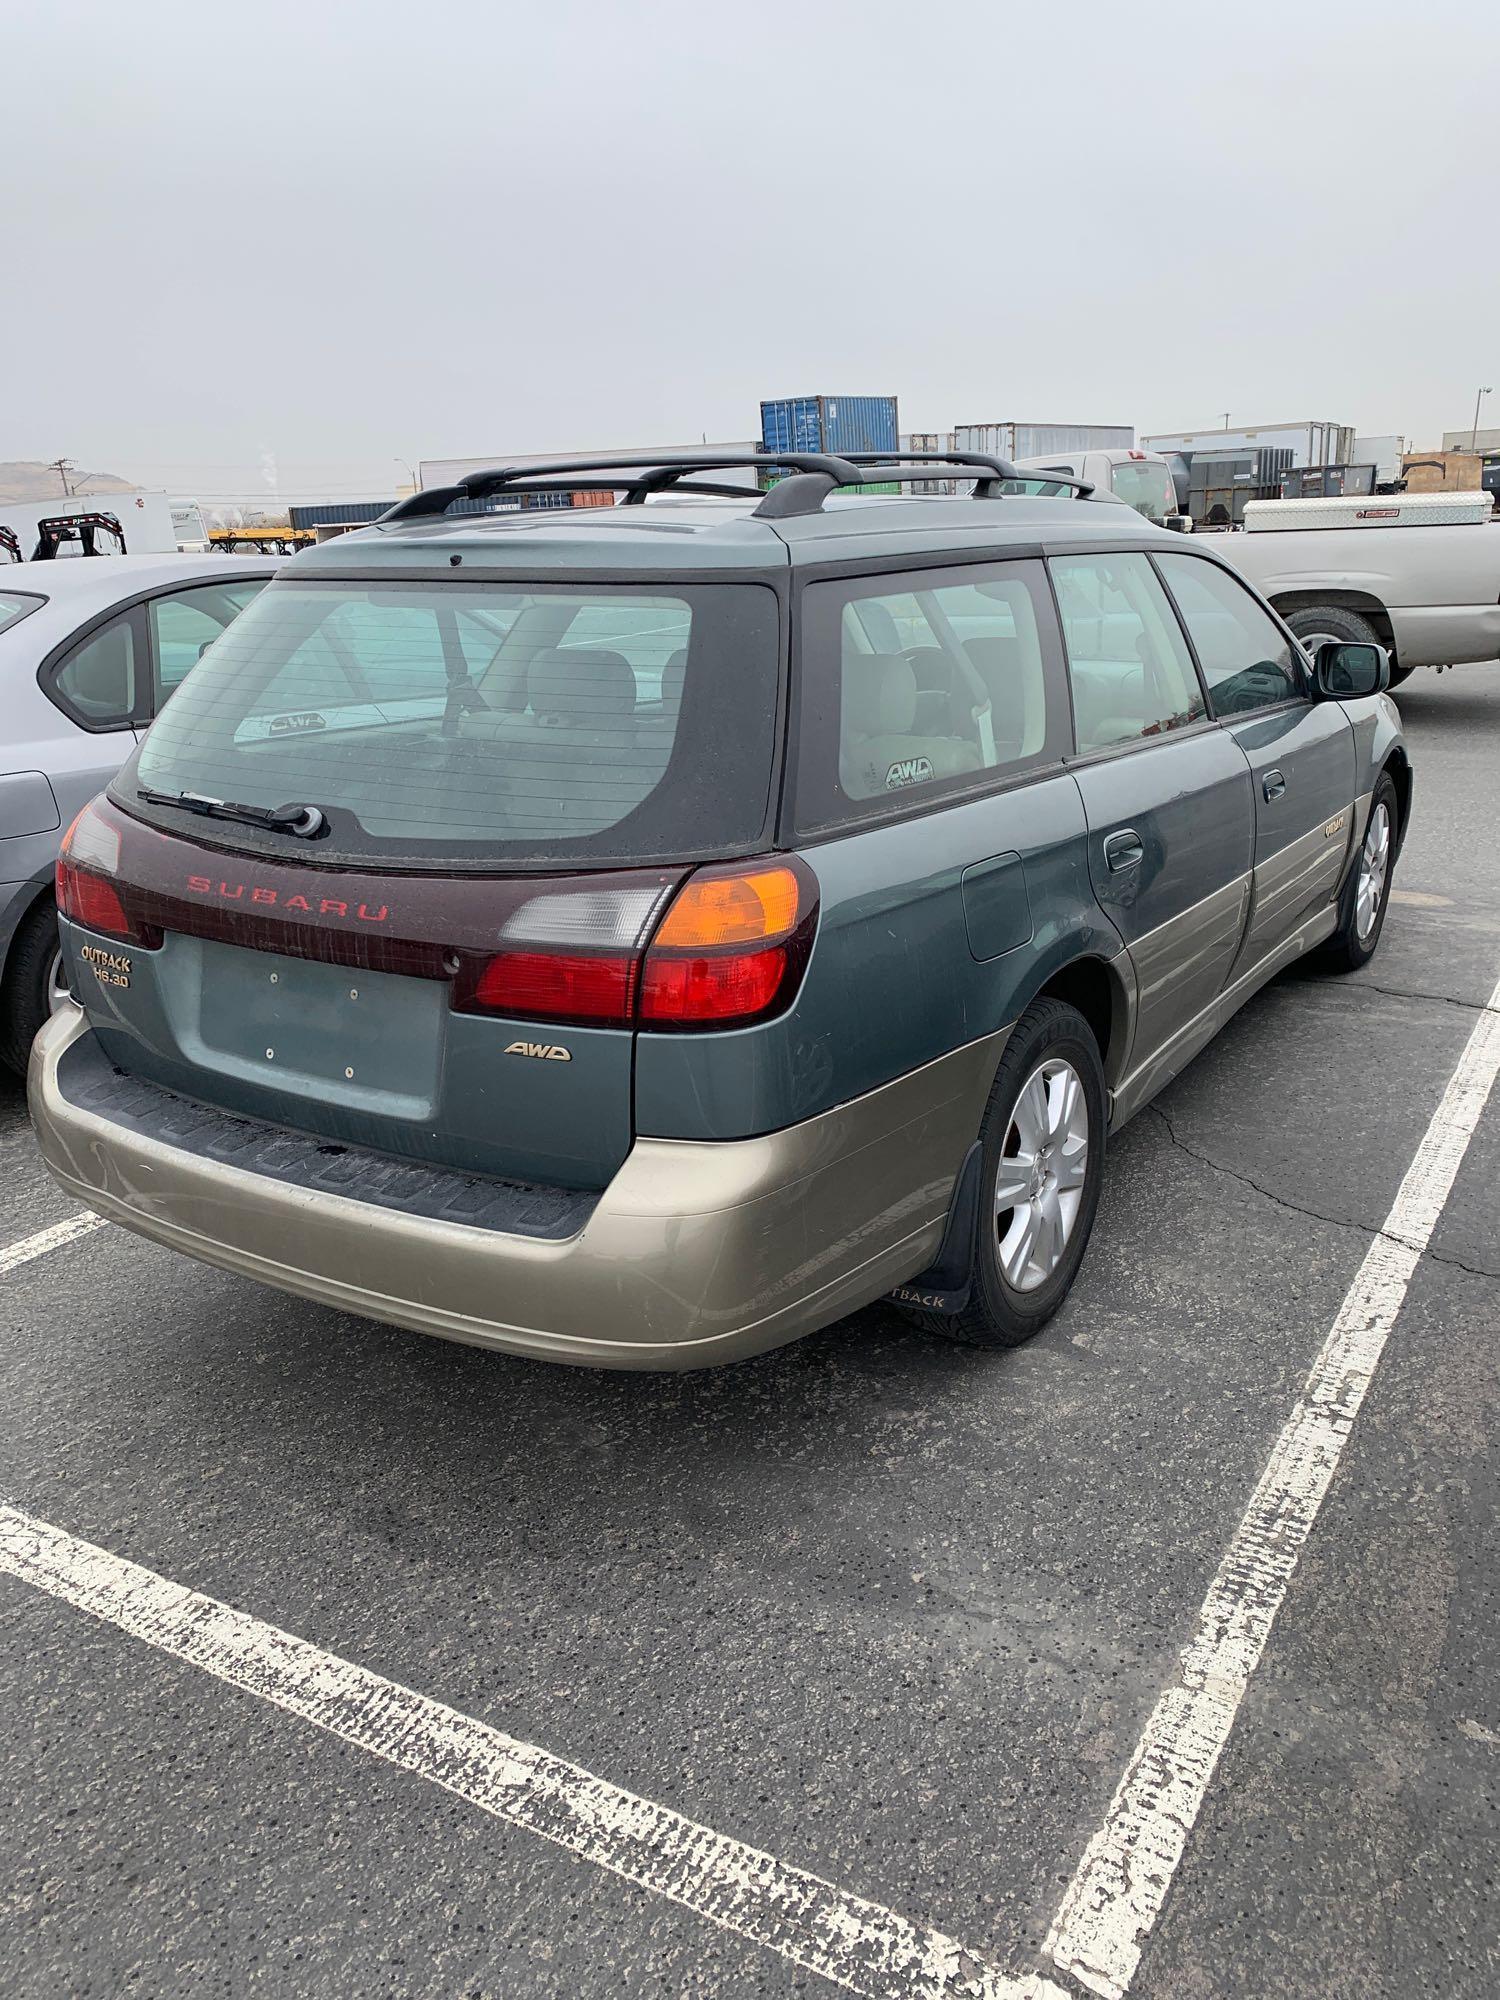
(808, 478)
(635, 474)
(993, 471)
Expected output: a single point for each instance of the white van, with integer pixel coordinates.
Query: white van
(1142, 479)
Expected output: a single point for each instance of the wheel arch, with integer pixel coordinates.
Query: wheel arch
(1398, 767)
(1097, 987)
(1363, 602)
(28, 900)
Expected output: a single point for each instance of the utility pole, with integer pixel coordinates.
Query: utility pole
(63, 466)
(1474, 434)
(1226, 420)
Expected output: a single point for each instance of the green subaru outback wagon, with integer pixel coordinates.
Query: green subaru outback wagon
(638, 935)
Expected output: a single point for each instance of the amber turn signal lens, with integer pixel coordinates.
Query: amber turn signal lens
(755, 906)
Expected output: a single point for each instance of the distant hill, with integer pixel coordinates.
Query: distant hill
(24, 479)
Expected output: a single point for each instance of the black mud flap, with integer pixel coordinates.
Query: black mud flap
(945, 1286)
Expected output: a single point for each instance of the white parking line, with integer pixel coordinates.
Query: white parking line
(854, 1943)
(1115, 1897)
(47, 1239)
(1126, 1873)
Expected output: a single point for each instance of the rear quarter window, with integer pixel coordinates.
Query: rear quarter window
(916, 687)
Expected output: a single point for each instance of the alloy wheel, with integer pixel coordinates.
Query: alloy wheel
(1374, 865)
(1043, 1167)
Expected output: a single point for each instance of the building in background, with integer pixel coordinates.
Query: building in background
(1485, 442)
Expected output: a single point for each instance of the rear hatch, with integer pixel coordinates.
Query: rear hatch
(387, 867)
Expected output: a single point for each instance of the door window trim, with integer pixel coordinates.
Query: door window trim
(57, 661)
(936, 571)
(52, 662)
(1075, 758)
(157, 698)
(1301, 699)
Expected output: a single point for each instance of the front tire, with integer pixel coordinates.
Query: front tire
(1367, 893)
(1041, 1170)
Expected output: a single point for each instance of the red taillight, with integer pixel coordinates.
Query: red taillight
(558, 986)
(91, 901)
(729, 950)
(89, 856)
(680, 991)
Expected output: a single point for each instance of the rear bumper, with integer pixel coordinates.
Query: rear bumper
(1427, 634)
(695, 1253)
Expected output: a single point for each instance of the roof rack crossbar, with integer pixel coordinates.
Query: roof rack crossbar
(993, 470)
(644, 473)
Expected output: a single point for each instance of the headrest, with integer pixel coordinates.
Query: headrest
(578, 684)
(880, 694)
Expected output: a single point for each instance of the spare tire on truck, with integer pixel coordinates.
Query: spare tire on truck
(1316, 622)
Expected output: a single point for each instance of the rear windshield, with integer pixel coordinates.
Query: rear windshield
(1146, 487)
(442, 722)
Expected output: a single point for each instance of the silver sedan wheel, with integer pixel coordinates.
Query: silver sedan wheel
(1043, 1166)
(58, 995)
(1374, 865)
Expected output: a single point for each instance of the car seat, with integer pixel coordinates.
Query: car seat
(882, 749)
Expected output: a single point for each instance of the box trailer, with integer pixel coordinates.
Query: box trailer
(1015, 440)
(1313, 442)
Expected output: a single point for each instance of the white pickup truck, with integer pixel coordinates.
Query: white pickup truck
(1388, 569)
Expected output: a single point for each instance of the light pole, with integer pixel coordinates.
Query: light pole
(411, 476)
(1474, 434)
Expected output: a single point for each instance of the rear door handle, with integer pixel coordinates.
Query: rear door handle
(1272, 785)
(1124, 850)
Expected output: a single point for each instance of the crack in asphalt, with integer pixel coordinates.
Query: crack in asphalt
(1446, 999)
(1314, 1214)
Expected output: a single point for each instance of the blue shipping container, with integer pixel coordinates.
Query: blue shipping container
(829, 423)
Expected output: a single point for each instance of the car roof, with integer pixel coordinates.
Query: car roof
(700, 535)
(86, 583)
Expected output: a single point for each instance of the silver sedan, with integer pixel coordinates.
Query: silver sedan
(89, 651)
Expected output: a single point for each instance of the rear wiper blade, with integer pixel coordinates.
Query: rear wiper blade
(305, 821)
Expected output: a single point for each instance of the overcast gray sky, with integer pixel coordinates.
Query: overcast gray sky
(321, 235)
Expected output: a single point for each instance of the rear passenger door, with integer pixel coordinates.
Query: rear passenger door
(1301, 752)
(1166, 794)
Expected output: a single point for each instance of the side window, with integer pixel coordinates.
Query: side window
(1247, 662)
(922, 688)
(96, 683)
(1131, 671)
(185, 623)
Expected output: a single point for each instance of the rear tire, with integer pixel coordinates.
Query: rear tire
(30, 983)
(1367, 893)
(1042, 1140)
(1331, 621)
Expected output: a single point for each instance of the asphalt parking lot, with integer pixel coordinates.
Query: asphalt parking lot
(892, 1612)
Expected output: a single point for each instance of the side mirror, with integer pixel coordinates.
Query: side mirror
(1182, 523)
(1343, 672)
